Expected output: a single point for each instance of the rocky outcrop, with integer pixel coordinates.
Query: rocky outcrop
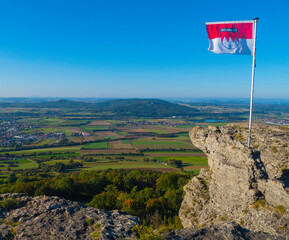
(23, 217)
(225, 231)
(247, 186)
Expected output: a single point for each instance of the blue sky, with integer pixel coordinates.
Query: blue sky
(105, 48)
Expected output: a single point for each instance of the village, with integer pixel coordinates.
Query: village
(282, 122)
(14, 133)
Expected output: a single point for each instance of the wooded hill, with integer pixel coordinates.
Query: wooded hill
(122, 107)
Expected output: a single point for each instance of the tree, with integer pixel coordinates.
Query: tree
(174, 198)
(11, 178)
(59, 167)
(153, 205)
(130, 205)
(175, 163)
(105, 200)
(45, 189)
(166, 182)
(65, 186)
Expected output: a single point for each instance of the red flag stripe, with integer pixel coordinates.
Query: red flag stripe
(245, 30)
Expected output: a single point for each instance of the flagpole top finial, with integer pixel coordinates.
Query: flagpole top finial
(256, 19)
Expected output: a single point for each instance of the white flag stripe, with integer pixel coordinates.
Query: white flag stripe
(245, 46)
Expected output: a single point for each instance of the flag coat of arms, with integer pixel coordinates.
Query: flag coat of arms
(231, 37)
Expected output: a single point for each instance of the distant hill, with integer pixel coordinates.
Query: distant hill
(123, 107)
(51, 104)
(146, 108)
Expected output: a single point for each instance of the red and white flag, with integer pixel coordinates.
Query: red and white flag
(231, 37)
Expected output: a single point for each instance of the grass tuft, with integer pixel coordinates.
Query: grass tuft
(239, 137)
(274, 149)
(280, 209)
(258, 205)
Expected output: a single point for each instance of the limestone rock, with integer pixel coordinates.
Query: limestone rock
(44, 217)
(225, 231)
(248, 186)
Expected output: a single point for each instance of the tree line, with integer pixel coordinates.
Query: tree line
(155, 197)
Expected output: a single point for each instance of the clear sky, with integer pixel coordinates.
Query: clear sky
(137, 48)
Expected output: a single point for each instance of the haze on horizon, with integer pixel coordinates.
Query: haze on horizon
(145, 49)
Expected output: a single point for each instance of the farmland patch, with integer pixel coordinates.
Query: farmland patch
(99, 123)
(96, 145)
(107, 151)
(120, 145)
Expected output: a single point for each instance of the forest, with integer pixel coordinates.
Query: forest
(154, 197)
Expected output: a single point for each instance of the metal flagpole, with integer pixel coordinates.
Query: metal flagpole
(252, 84)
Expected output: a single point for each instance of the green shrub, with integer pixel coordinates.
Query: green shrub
(11, 178)
(97, 226)
(89, 221)
(95, 235)
(11, 223)
(174, 223)
(9, 203)
(11, 234)
(146, 233)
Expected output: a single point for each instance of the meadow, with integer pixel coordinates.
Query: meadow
(109, 144)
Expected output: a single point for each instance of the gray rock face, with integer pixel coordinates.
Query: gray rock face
(225, 231)
(45, 217)
(243, 185)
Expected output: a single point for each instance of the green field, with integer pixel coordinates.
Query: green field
(57, 155)
(182, 136)
(122, 133)
(64, 161)
(48, 141)
(186, 126)
(53, 121)
(109, 152)
(97, 145)
(123, 165)
(158, 131)
(171, 153)
(103, 164)
(110, 137)
(218, 124)
(73, 123)
(89, 128)
(186, 159)
(140, 144)
(22, 164)
(66, 130)
(54, 149)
